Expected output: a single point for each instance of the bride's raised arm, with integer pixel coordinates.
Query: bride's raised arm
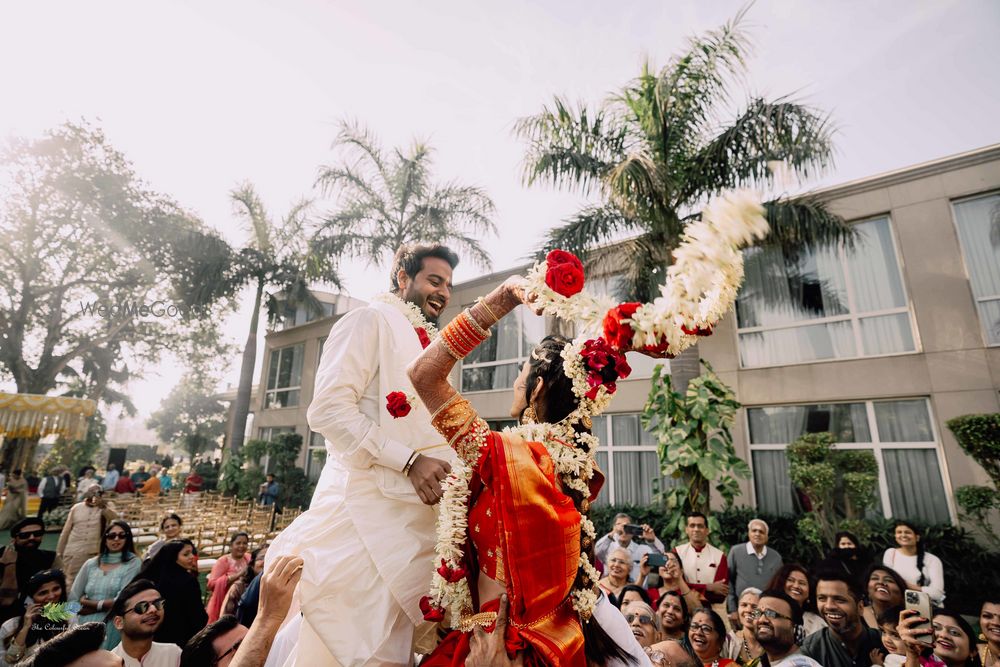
(429, 372)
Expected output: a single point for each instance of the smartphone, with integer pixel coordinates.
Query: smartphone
(633, 529)
(921, 602)
(656, 560)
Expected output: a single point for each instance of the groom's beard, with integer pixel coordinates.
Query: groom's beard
(418, 300)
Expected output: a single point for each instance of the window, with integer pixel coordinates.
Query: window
(974, 218)
(627, 456)
(900, 434)
(284, 377)
(269, 433)
(496, 362)
(641, 364)
(315, 456)
(824, 304)
(293, 315)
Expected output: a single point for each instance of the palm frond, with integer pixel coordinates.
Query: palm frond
(766, 131)
(692, 86)
(587, 228)
(570, 146)
(410, 181)
(355, 187)
(249, 206)
(362, 142)
(805, 222)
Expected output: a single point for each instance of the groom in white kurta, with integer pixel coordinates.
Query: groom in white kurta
(367, 538)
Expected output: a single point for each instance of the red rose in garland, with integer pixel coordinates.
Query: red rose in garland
(431, 613)
(604, 365)
(697, 331)
(451, 575)
(564, 273)
(617, 333)
(397, 404)
(425, 340)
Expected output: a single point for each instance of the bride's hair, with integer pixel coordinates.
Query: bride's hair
(556, 402)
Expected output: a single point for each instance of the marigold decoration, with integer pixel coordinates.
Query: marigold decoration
(398, 404)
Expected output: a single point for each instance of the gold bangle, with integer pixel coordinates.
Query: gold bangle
(483, 333)
(448, 345)
(482, 302)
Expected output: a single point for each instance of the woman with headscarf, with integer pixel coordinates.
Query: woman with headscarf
(174, 571)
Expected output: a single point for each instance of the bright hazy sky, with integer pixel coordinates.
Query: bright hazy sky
(201, 95)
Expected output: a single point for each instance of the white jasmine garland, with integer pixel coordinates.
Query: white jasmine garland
(701, 284)
(410, 311)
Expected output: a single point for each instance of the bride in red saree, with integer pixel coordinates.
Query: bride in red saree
(514, 513)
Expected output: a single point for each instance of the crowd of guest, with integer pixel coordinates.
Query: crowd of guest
(749, 607)
(112, 603)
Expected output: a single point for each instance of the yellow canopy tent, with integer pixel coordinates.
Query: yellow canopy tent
(32, 416)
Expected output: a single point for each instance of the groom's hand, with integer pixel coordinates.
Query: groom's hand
(426, 475)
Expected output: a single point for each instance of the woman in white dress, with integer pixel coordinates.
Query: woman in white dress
(922, 570)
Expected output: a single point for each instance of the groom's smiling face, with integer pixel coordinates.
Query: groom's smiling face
(430, 289)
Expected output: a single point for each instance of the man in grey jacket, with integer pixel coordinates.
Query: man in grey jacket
(750, 564)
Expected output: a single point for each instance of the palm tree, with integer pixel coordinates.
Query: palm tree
(276, 261)
(657, 150)
(386, 200)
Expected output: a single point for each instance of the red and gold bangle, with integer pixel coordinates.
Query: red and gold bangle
(462, 335)
(483, 333)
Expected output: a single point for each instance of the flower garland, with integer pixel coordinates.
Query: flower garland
(410, 311)
(701, 284)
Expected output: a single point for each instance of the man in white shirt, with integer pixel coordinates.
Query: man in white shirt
(636, 546)
(369, 532)
(779, 618)
(111, 478)
(138, 612)
(705, 567)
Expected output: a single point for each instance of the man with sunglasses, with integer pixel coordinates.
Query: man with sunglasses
(19, 561)
(779, 619)
(137, 613)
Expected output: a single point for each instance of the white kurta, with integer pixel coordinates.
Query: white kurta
(366, 539)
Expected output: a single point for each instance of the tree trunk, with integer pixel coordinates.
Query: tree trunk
(241, 410)
(684, 368)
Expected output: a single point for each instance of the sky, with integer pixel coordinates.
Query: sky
(204, 95)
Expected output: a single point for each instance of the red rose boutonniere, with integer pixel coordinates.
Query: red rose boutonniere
(425, 340)
(398, 404)
(564, 273)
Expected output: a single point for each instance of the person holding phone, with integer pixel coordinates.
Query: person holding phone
(668, 567)
(635, 539)
(21, 637)
(949, 639)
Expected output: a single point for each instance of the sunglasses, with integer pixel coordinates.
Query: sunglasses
(232, 649)
(771, 614)
(25, 534)
(644, 619)
(115, 536)
(142, 607)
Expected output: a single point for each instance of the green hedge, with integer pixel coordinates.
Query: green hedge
(969, 567)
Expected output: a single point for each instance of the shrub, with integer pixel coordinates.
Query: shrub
(979, 436)
(838, 485)
(694, 443)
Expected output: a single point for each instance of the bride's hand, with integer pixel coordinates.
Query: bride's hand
(514, 286)
(489, 649)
